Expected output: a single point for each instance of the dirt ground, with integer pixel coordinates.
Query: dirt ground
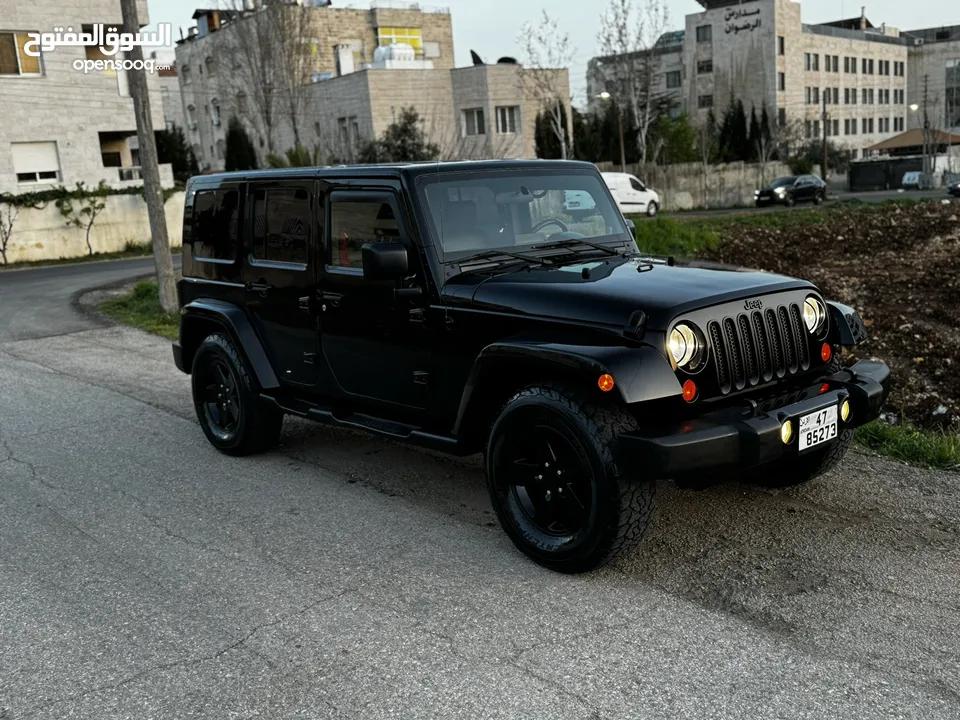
(899, 265)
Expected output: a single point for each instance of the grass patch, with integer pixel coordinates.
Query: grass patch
(141, 308)
(665, 236)
(911, 444)
(130, 250)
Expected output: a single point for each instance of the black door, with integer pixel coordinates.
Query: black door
(804, 189)
(376, 345)
(279, 278)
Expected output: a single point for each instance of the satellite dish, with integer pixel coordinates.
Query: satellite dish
(507, 61)
(476, 58)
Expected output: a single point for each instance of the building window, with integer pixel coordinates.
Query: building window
(186, 75)
(816, 96)
(816, 128)
(704, 67)
(281, 225)
(836, 63)
(508, 119)
(13, 58)
(353, 224)
(704, 33)
(807, 95)
(473, 122)
(36, 161)
(211, 65)
(781, 45)
(836, 127)
(816, 62)
(705, 101)
(410, 36)
(781, 81)
(846, 96)
(807, 129)
(215, 112)
(674, 79)
(807, 62)
(846, 126)
(782, 117)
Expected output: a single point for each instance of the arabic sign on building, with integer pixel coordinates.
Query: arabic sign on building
(738, 20)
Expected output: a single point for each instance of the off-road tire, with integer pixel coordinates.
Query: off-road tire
(258, 428)
(622, 507)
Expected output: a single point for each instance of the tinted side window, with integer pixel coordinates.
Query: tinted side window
(354, 223)
(635, 184)
(215, 214)
(281, 225)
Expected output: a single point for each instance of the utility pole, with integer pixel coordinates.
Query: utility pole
(623, 154)
(825, 121)
(926, 127)
(149, 170)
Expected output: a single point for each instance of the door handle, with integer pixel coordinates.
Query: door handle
(260, 286)
(330, 298)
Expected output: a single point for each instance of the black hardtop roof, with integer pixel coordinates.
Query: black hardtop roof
(394, 170)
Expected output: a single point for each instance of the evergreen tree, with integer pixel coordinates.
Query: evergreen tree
(240, 153)
(403, 141)
(756, 133)
(172, 148)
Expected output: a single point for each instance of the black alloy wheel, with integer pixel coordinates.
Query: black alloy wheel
(544, 475)
(221, 401)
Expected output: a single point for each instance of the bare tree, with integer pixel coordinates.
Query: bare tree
(7, 220)
(706, 149)
(631, 64)
(291, 28)
(547, 53)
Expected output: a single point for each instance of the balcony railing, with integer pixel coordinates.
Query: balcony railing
(130, 173)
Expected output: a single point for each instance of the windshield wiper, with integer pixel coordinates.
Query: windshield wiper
(492, 254)
(570, 242)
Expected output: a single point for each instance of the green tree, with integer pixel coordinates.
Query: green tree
(403, 141)
(172, 148)
(297, 156)
(733, 138)
(677, 140)
(240, 153)
(756, 134)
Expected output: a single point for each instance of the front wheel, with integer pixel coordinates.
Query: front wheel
(789, 201)
(227, 400)
(652, 209)
(817, 199)
(555, 485)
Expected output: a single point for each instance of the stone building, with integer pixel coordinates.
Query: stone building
(170, 97)
(218, 60)
(761, 52)
(60, 125)
(934, 77)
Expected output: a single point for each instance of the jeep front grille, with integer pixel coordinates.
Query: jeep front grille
(758, 346)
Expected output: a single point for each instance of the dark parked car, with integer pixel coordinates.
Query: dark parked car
(954, 189)
(459, 307)
(791, 190)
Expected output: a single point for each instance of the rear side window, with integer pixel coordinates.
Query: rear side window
(352, 224)
(215, 214)
(281, 225)
(635, 184)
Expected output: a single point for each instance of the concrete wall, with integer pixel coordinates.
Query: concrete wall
(64, 105)
(685, 186)
(42, 234)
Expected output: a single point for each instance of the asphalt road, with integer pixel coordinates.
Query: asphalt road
(144, 575)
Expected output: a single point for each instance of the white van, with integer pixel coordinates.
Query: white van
(632, 196)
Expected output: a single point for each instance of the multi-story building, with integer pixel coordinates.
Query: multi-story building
(219, 60)
(170, 98)
(849, 73)
(60, 125)
(934, 77)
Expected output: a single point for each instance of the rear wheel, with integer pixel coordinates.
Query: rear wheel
(227, 400)
(555, 485)
(817, 199)
(789, 201)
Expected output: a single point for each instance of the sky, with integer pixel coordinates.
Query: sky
(491, 27)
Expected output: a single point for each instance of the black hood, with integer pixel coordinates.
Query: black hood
(615, 288)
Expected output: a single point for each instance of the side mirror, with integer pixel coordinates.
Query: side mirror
(384, 261)
(631, 226)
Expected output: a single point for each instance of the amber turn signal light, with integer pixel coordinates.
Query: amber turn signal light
(689, 391)
(826, 353)
(605, 382)
(824, 388)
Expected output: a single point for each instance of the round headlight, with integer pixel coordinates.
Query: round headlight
(686, 346)
(814, 314)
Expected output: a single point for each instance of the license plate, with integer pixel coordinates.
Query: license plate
(818, 427)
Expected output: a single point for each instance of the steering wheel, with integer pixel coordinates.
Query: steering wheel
(550, 221)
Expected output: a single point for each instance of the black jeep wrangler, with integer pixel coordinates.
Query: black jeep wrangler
(458, 307)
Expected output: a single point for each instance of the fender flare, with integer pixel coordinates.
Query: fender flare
(235, 321)
(639, 373)
(846, 325)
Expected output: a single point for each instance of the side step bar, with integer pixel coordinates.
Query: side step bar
(388, 429)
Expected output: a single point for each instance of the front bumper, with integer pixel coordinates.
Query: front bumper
(745, 437)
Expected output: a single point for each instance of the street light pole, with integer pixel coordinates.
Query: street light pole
(623, 155)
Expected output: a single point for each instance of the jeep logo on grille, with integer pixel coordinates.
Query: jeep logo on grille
(753, 304)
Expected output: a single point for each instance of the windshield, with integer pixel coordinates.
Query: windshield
(480, 211)
(781, 182)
